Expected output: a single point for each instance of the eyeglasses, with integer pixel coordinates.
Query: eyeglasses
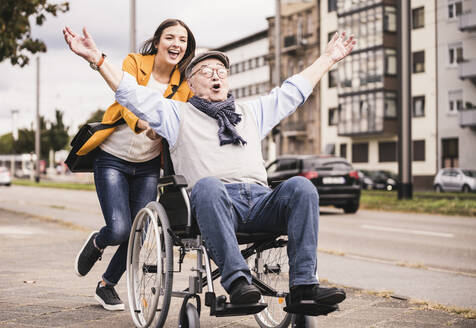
(207, 71)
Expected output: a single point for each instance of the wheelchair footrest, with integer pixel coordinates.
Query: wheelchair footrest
(220, 308)
(310, 308)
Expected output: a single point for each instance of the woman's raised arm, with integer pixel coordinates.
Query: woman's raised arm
(85, 47)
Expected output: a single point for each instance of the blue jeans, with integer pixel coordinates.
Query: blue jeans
(123, 188)
(292, 207)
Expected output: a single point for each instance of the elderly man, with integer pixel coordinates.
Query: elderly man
(216, 145)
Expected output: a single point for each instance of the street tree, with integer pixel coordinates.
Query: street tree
(58, 133)
(16, 41)
(96, 116)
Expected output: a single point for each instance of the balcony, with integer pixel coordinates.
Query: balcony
(467, 118)
(294, 129)
(467, 70)
(367, 127)
(467, 22)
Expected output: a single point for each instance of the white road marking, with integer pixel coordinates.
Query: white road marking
(414, 232)
(16, 231)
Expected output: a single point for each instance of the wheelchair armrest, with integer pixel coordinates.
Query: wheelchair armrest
(174, 180)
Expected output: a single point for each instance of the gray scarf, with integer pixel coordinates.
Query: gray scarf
(224, 113)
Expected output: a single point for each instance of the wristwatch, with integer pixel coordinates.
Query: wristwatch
(96, 66)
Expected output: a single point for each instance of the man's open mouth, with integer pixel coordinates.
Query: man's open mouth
(216, 86)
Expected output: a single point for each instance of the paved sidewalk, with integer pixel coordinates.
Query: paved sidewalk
(38, 288)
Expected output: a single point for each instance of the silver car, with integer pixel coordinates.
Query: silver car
(5, 178)
(453, 179)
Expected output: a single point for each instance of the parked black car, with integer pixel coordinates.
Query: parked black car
(382, 179)
(365, 181)
(335, 179)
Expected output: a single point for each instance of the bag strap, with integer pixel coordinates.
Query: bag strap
(102, 126)
(175, 87)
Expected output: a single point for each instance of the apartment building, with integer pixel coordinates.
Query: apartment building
(456, 34)
(300, 132)
(250, 73)
(359, 98)
(249, 70)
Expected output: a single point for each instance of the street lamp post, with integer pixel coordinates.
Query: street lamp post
(133, 27)
(277, 62)
(37, 132)
(405, 189)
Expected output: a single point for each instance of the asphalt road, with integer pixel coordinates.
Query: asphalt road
(425, 257)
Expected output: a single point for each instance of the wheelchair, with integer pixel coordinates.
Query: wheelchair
(167, 223)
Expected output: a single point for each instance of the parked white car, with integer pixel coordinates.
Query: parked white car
(5, 178)
(454, 179)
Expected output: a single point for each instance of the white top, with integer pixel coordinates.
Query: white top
(127, 145)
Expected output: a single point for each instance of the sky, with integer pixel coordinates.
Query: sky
(66, 81)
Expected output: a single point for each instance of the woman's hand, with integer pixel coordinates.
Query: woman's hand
(82, 46)
(151, 134)
(338, 48)
(141, 126)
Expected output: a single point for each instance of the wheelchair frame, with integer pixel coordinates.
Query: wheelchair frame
(183, 232)
(188, 239)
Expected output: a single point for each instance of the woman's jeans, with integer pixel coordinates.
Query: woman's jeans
(123, 188)
(292, 207)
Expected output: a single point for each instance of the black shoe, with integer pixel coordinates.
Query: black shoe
(87, 256)
(320, 295)
(108, 298)
(241, 292)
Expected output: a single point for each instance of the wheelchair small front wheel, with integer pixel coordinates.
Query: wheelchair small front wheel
(190, 318)
(150, 267)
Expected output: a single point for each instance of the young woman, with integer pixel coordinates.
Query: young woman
(127, 167)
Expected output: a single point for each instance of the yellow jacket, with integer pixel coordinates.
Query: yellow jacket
(141, 67)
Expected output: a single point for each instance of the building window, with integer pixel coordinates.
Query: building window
(333, 78)
(290, 68)
(455, 98)
(418, 18)
(449, 152)
(390, 105)
(360, 152)
(419, 150)
(387, 151)
(390, 62)
(333, 117)
(455, 8)
(330, 35)
(330, 149)
(455, 54)
(331, 5)
(418, 61)
(390, 19)
(309, 23)
(343, 150)
(418, 106)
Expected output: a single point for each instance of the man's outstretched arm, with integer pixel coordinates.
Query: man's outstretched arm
(336, 50)
(269, 110)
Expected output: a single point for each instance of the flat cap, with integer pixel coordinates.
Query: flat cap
(205, 55)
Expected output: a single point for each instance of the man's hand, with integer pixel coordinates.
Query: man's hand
(82, 46)
(338, 48)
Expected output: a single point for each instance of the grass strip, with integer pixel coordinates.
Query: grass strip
(388, 201)
(53, 184)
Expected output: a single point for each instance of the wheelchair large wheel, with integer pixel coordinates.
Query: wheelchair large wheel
(274, 271)
(150, 267)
